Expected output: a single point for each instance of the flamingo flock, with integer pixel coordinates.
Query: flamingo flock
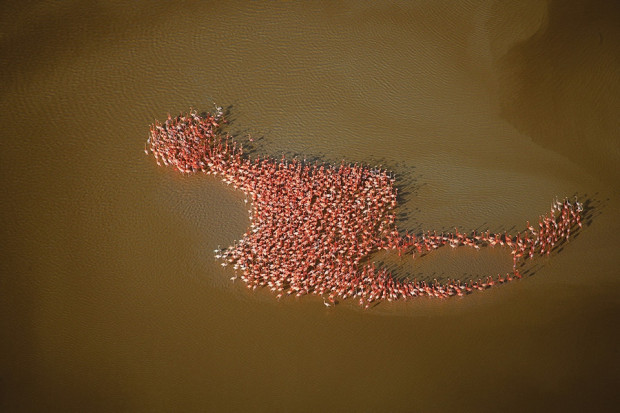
(314, 225)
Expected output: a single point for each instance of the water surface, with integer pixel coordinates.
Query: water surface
(111, 297)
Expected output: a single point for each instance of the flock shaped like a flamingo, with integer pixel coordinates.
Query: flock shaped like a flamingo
(314, 225)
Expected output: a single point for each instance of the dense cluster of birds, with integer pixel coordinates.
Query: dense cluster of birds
(314, 225)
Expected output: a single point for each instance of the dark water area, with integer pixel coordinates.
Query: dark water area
(111, 298)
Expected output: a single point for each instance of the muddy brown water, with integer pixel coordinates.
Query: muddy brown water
(111, 299)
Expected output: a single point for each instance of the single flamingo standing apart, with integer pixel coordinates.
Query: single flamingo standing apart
(312, 224)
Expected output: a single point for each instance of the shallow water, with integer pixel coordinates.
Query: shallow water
(111, 297)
